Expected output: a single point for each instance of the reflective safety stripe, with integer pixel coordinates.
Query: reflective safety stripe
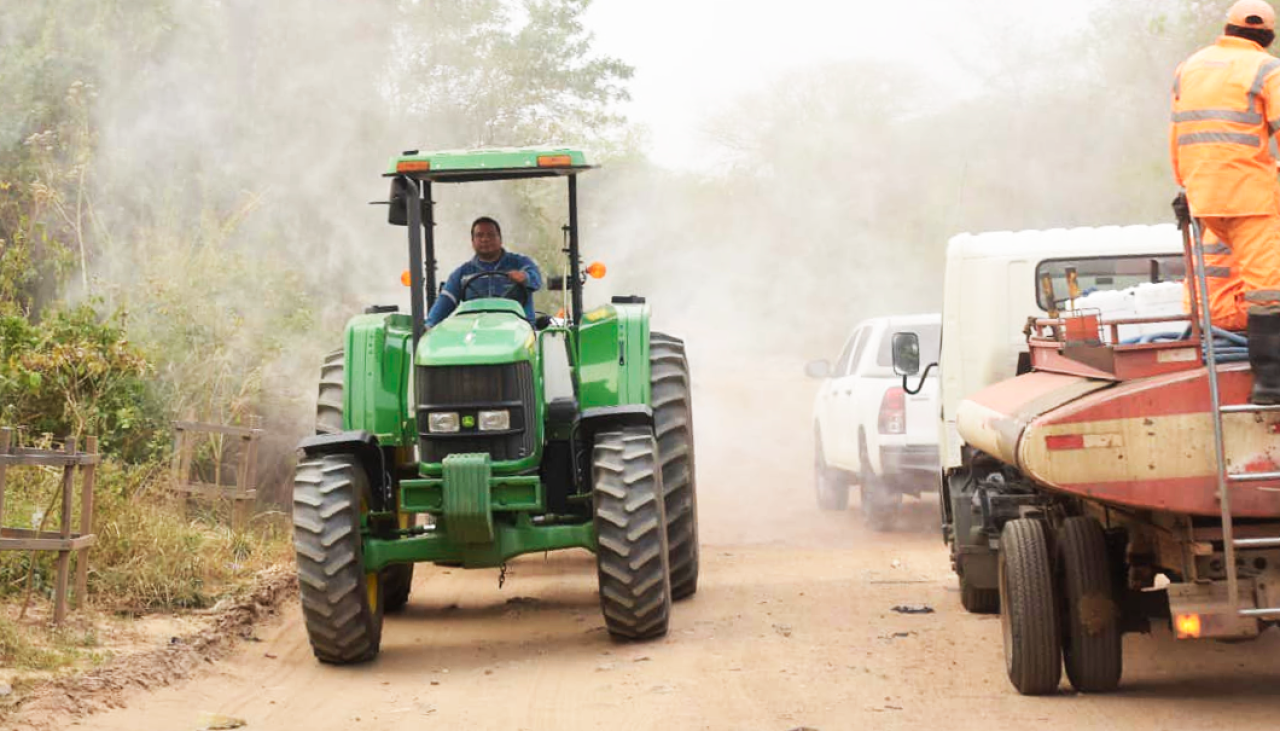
(1229, 115)
(1263, 295)
(1233, 138)
(1263, 72)
(1218, 272)
(1218, 248)
(448, 294)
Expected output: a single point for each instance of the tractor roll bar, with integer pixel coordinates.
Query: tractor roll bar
(418, 225)
(575, 263)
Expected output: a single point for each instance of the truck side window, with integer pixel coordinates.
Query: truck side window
(858, 349)
(842, 365)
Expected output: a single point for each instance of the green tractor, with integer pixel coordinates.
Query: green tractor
(488, 437)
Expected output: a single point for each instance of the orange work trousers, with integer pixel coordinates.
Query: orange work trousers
(1242, 266)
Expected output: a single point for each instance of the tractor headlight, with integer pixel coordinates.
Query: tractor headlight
(495, 420)
(442, 422)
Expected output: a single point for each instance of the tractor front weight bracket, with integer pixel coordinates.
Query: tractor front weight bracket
(510, 539)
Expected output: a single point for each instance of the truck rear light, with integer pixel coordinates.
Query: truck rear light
(1187, 626)
(893, 411)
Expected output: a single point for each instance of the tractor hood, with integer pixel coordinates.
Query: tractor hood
(483, 331)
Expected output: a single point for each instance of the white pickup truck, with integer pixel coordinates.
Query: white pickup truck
(870, 432)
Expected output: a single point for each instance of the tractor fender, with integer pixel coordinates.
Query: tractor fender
(604, 418)
(365, 448)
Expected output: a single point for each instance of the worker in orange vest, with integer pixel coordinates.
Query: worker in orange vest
(1226, 106)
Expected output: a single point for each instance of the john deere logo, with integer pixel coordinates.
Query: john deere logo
(468, 422)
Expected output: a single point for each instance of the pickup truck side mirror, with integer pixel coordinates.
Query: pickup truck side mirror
(906, 353)
(817, 369)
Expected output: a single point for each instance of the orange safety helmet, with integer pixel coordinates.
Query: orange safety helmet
(1252, 14)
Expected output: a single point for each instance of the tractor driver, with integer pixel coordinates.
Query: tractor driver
(521, 281)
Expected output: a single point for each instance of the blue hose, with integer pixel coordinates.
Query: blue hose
(1229, 347)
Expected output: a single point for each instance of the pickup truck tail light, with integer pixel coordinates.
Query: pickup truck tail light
(893, 411)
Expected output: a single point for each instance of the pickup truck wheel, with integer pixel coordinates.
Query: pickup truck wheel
(880, 500)
(1091, 647)
(829, 483)
(1029, 609)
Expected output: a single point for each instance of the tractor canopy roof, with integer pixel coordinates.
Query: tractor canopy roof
(466, 166)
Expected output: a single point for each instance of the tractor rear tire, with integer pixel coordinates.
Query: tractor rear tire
(1029, 609)
(341, 602)
(397, 582)
(631, 539)
(1091, 641)
(830, 484)
(673, 428)
(329, 400)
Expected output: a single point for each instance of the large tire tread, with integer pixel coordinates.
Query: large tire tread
(1029, 610)
(673, 429)
(329, 401)
(1091, 642)
(631, 552)
(341, 624)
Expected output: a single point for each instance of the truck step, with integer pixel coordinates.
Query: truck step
(1257, 542)
(1248, 408)
(1254, 476)
(1271, 612)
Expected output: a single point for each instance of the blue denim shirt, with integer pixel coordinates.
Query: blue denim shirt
(452, 293)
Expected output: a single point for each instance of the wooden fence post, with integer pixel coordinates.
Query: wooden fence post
(6, 438)
(88, 478)
(64, 529)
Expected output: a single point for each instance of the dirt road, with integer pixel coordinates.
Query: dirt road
(792, 627)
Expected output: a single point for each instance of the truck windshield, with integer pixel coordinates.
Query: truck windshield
(1103, 273)
(930, 343)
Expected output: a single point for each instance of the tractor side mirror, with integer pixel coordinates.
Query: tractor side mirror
(906, 353)
(399, 201)
(398, 215)
(817, 369)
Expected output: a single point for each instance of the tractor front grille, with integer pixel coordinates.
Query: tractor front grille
(468, 390)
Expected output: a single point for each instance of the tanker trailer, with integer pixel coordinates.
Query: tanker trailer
(1118, 483)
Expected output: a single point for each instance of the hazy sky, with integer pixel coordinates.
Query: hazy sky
(692, 56)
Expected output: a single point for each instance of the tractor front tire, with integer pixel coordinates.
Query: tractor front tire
(1029, 608)
(673, 428)
(631, 538)
(1091, 641)
(341, 602)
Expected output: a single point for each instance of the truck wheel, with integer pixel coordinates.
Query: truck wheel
(342, 604)
(829, 483)
(397, 581)
(329, 400)
(978, 601)
(880, 500)
(1028, 610)
(631, 542)
(1091, 647)
(673, 427)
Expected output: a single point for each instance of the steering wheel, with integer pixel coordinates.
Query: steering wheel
(515, 292)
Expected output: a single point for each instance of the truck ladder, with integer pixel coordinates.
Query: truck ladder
(1225, 481)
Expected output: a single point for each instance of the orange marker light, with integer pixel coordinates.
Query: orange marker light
(406, 279)
(413, 166)
(1187, 626)
(554, 161)
(596, 270)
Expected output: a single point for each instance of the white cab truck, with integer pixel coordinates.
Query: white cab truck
(992, 283)
(868, 431)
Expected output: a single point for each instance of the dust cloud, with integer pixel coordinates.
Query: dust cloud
(239, 143)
